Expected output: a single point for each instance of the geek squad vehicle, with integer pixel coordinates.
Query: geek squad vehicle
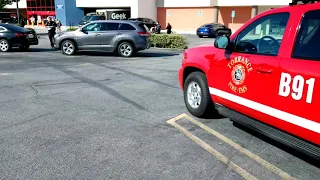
(124, 37)
(213, 30)
(115, 14)
(16, 36)
(105, 14)
(147, 21)
(90, 17)
(265, 76)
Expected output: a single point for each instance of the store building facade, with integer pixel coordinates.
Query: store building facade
(183, 15)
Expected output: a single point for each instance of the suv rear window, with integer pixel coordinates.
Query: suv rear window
(109, 26)
(143, 27)
(127, 27)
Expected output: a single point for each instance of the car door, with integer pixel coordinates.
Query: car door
(246, 79)
(109, 31)
(300, 79)
(89, 37)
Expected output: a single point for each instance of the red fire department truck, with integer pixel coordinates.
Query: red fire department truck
(265, 76)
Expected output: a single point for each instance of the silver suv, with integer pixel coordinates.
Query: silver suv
(124, 37)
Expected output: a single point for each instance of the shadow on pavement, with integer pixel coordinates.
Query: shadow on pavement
(33, 50)
(279, 145)
(139, 54)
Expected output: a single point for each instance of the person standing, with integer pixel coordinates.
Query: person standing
(158, 28)
(58, 25)
(22, 22)
(169, 28)
(51, 25)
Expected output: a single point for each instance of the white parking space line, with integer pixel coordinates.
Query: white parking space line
(236, 168)
(84, 64)
(4, 74)
(251, 155)
(210, 149)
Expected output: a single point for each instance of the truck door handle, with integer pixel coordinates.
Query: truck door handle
(264, 70)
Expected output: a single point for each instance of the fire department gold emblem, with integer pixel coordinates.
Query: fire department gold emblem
(238, 74)
(240, 68)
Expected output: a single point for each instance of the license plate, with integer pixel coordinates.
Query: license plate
(30, 36)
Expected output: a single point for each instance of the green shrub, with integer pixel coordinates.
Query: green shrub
(72, 29)
(168, 41)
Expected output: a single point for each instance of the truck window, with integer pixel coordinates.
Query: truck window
(307, 41)
(263, 36)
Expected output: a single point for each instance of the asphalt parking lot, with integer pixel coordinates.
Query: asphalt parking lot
(99, 116)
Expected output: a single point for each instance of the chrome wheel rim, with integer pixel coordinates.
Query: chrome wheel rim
(126, 49)
(67, 48)
(4, 46)
(194, 95)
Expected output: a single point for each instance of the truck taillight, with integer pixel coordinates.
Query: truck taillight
(144, 33)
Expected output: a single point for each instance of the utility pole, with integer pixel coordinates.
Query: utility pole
(18, 16)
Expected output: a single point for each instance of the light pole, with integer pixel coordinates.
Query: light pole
(18, 16)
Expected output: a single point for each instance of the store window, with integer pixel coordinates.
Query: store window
(40, 5)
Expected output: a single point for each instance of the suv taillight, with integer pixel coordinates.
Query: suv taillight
(144, 33)
(20, 35)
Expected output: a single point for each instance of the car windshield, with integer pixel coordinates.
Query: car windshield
(206, 25)
(93, 18)
(86, 18)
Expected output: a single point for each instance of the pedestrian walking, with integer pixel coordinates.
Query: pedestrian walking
(22, 23)
(58, 25)
(169, 28)
(51, 25)
(158, 28)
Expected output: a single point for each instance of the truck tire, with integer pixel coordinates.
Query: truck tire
(197, 97)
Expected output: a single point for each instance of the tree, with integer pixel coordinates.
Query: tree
(4, 3)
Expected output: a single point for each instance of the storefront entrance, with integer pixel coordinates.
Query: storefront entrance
(38, 11)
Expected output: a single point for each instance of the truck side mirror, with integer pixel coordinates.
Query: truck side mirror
(222, 42)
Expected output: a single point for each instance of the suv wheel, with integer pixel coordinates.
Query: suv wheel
(196, 95)
(125, 49)
(68, 47)
(4, 45)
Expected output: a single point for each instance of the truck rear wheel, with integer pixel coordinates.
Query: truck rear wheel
(197, 96)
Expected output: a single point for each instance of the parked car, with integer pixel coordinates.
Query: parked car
(262, 78)
(147, 21)
(16, 36)
(91, 17)
(124, 37)
(212, 30)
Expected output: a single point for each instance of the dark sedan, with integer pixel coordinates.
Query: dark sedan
(16, 36)
(213, 30)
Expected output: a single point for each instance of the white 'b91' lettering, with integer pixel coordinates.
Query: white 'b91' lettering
(297, 87)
